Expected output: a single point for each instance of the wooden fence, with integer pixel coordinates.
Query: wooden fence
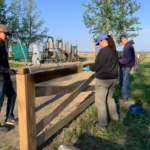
(30, 132)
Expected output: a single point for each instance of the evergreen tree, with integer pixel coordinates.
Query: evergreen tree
(113, 17)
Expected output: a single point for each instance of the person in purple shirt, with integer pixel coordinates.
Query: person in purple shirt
(126, 62)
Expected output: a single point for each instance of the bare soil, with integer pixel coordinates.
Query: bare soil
(45, 105)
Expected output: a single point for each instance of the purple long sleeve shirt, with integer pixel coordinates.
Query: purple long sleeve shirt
(128, 55)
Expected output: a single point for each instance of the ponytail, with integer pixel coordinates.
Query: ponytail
(112, 44)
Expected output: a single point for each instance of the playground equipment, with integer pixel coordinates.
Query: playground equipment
(55, 51)
(36, 58)
(18, 53)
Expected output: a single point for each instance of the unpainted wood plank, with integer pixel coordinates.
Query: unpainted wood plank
(53, 74)
(56, 90)
(46, 120)
(26, 111)
(23, 70)
(48, 133)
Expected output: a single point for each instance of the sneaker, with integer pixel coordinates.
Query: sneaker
(3, 129)
(99, 126)
(123, 100)
(11, 122)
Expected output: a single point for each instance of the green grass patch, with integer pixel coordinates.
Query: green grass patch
(148, 54)
(15, 65)
(121, 135)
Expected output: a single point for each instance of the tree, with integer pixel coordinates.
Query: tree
(3, 12)
(31, 25)
(114, 17)
(16, 15)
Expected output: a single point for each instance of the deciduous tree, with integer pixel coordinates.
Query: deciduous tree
(113, 17)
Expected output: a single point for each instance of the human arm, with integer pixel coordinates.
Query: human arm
(128, 55)
(99, 62)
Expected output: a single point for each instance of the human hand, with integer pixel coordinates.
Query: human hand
(12, 71)
(87, 68)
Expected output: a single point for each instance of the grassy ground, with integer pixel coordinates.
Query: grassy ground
(15, 65)
(122, 135)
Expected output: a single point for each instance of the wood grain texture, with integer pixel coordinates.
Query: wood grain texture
(53, 74)
(46, 120)
(56, 90)
(23, 70)
(26, 111)
(48, 133)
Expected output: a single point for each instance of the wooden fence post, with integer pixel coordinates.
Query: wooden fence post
(26, 109)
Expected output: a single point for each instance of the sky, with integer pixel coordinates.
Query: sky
(64, 20)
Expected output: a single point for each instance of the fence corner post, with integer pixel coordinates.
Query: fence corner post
(26, 109)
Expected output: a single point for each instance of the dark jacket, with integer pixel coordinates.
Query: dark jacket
(128, 55)
(106, 64)
(4, 65)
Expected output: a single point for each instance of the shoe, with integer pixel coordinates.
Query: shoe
(3, 129)
(11, 122)
(101, 127)
(123, 100)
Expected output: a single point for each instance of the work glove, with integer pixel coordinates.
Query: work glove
(12, 71)
(87, 68)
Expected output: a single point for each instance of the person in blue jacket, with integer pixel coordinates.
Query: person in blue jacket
(127, 61)
(6, 87)
(106, 67)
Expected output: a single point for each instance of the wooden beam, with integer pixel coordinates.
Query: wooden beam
(87, 64)
(26, 110)
(53, 74)
(48, 133)
(23, 71)
(46, 120)
(56, 90)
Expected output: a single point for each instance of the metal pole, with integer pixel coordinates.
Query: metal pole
(22, 51)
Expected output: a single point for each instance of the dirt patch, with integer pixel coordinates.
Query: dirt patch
(45, 105)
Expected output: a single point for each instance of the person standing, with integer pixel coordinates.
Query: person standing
(6, 87)
(106, 68)
(127, 61)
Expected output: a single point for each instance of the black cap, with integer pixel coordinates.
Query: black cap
(122, 37)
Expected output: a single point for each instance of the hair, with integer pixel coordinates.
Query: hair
(112, 44)
(2, 43)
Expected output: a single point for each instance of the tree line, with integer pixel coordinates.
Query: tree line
(21, 16)
(114, 17)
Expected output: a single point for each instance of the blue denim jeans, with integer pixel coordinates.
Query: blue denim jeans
(124, 82)
(7, 88)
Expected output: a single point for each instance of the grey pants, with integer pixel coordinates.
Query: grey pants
(104, 90)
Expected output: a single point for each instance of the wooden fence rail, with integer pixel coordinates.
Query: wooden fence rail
(30, 132)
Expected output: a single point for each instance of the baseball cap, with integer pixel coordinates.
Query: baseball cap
(122, 37)
(5, 30)
(101, 37)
